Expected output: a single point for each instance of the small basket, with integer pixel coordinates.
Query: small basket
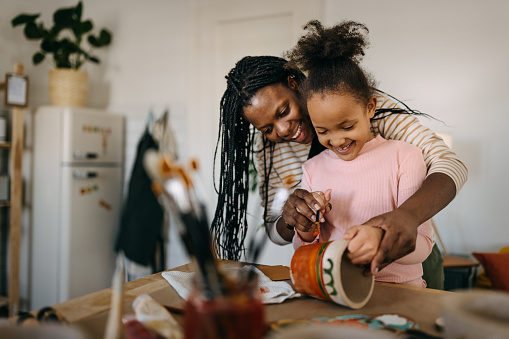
(68, 87)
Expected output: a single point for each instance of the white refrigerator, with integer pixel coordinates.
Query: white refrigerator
(77, 200)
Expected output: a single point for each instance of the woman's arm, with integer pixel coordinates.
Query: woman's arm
(286, 173)
(446, 174)
(401, 224)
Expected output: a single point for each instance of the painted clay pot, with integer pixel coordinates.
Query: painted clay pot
(324, 271)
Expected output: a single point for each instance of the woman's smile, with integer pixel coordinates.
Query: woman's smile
(299, 129)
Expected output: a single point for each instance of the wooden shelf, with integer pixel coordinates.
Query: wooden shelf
(3, 301)
(15, 204)
(451, 261)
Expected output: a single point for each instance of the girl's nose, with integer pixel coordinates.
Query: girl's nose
(337, 141)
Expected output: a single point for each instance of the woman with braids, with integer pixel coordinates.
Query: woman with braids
(263, 91)
(361, 175)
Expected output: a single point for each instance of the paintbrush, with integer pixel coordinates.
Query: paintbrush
(317, 224)
(176, 192)
(114, 327)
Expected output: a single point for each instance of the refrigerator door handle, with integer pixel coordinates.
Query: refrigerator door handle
(85, 155)
(84, 174)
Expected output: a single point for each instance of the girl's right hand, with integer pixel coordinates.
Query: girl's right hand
(300, 208)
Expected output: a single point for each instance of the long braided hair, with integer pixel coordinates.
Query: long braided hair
(236, 136)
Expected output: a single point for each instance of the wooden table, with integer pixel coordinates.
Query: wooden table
(421, 305)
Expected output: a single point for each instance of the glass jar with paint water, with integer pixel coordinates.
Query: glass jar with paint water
(236, 312)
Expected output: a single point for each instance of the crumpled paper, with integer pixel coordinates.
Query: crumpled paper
(272, 292)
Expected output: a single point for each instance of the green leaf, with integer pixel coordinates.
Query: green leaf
(86, 26)
(78, 10)
(92, 40)
(32, 31)
(104, 39)
(23, 19)
(38, 58)
(49, 45)
(69, 46)
(44, 32)
(64, 17)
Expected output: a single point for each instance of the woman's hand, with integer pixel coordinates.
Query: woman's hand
(399, 239)
(400, 225)
(364, 242)
(300, 208)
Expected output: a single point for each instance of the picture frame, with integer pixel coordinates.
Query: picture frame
(16, 90)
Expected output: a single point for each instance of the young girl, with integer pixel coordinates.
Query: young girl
(361, 175)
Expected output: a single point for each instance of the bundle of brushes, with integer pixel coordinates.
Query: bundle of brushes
(222, 306)
(177, 192)
(180, 192)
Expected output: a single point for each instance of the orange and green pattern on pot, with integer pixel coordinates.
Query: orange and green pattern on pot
(323, 270)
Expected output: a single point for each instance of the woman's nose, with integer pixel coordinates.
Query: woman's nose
(283, 129)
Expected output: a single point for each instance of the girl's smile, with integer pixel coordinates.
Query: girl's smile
(346, 149)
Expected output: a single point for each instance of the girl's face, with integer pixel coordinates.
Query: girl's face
(341, 122)
(276, 111)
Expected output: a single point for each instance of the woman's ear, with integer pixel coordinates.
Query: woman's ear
(371, 107)
(292, 83)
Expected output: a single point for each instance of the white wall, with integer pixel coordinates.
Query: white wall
(445, 58)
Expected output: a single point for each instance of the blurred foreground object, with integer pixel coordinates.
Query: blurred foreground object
(476, 314)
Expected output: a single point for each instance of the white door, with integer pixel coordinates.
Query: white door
(225, 32)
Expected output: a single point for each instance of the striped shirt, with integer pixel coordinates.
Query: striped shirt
(288, 157)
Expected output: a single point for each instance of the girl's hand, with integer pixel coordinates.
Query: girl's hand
(364, 242)
(300, 208)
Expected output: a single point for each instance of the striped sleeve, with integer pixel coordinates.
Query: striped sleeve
(286, 170)
(438, 157)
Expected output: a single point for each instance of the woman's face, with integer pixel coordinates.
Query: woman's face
(342, 123)
(275, 110)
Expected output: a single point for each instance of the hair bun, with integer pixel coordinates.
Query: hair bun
(320, 46)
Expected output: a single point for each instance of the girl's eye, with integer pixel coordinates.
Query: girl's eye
(348, 127)
(321, 132)
(267, 130)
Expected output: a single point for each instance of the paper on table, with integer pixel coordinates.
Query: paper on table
(273, 292)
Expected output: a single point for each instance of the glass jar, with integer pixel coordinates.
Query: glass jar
(236, 313)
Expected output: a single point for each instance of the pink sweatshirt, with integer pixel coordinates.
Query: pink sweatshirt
(383, 175)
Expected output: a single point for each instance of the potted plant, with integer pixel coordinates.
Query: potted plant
(65, 43)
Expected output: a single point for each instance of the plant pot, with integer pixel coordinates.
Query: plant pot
(323, 270)
(68, 87)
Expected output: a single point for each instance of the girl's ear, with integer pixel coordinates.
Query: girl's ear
(371, 107)
(292, 83)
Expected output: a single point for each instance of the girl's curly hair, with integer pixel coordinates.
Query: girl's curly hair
(331, 58)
